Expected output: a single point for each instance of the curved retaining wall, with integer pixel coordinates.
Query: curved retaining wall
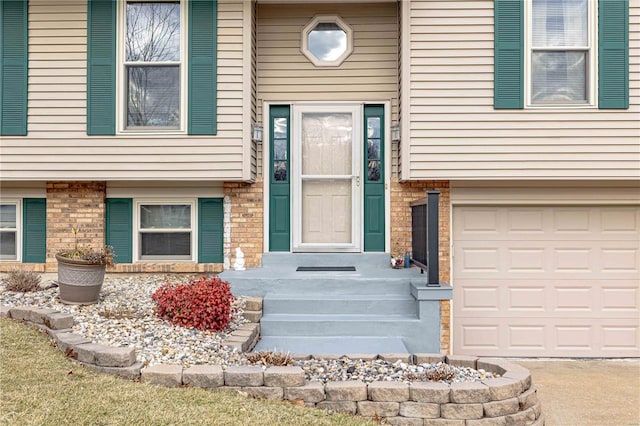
(510, 399)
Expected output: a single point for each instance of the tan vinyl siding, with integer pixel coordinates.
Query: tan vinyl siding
(369, 74)
(57, 147)
(456, 134)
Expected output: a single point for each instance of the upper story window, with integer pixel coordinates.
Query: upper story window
(561, 54)
(327, 41)
(153, 70)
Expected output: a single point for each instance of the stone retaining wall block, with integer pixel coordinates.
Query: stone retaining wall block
(470, 392)
(266, 392)
(87, 352)
(353, 390)
(423, 410)
(284, 376)
(539, 421)
(252, 316)
(428, 358)
(503, 388)
(490, 364)
(20, 313)
(443, 422)
(164, 375)
(203, 376)
(501, 408)
(349, 407)
(528, 398)
(521, 418)
(434, 392)
(244, 376)
(522, 375)
(461, 411)
(462, 360)
(58, 321)
(116, 357)
(310, 392)
(379, 409)
(253, 304)
(363, 357)
(537, 409)
(4, 311)
(37, 316)
(489, 421)
(403, 421)
(132, 372)
(406, 358)
(67, 343)
(388, 392)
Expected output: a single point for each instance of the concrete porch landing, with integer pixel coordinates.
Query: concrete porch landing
(371, 310)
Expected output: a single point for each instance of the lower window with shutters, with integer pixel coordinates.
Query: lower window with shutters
(161, 230)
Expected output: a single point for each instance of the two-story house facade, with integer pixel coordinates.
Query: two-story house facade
(178, 131)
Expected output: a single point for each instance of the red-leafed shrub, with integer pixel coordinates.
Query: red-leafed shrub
(203, 303)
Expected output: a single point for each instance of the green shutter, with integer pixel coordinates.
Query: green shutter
(210, 230)
(34, 232)
(119, 229)
(374, 235)
(14, 63)
(101, 67)
(613, 54)
(280, 188)
(508, 54)
(202, 63)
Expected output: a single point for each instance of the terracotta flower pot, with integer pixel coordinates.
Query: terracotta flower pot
(79, 281)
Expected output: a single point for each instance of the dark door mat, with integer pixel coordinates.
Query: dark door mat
(325, 268)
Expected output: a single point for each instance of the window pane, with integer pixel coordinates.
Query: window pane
(280, 128)
(155, 216)
(7, 215)
(327, 41)
(559, 23)
(153, 98)
(373, 149)
(174, 244)
(280, 171)
(559, 77)
(153, 32)
(373, 127)
(373, 171)
(8, 245)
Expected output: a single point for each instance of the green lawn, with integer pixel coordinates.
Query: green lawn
(38, 385)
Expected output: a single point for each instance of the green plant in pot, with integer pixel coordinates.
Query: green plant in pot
(81, 272)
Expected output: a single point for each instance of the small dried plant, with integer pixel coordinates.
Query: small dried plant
(269, 358)
(22, 281)
(441, 372)
(102, 256)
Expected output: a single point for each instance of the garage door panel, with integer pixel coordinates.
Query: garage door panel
(547, 281)
(565, 337)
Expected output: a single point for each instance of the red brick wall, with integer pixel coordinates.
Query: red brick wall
(402, 194)
(247, 220)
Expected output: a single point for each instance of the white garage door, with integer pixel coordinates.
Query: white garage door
(546, 281)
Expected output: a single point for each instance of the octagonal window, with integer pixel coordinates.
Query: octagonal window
(327, 41)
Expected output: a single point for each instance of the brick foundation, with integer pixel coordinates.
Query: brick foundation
(402, 195)
(247, 220)
(74, 204)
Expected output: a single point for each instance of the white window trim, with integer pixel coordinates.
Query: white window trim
(326, 19)
(121, 86)
(18, 203)
(164, 201)
(592, 63)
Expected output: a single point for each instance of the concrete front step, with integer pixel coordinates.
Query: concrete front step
(333, 345)
(359, 260)
(361, 304)
(336, 325)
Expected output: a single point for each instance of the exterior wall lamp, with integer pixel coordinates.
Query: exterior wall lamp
(256, 132)
(395, 132)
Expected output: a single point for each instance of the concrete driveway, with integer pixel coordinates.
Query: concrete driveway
(587, 392)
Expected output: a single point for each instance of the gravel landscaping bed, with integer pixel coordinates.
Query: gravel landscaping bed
(124, 317)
